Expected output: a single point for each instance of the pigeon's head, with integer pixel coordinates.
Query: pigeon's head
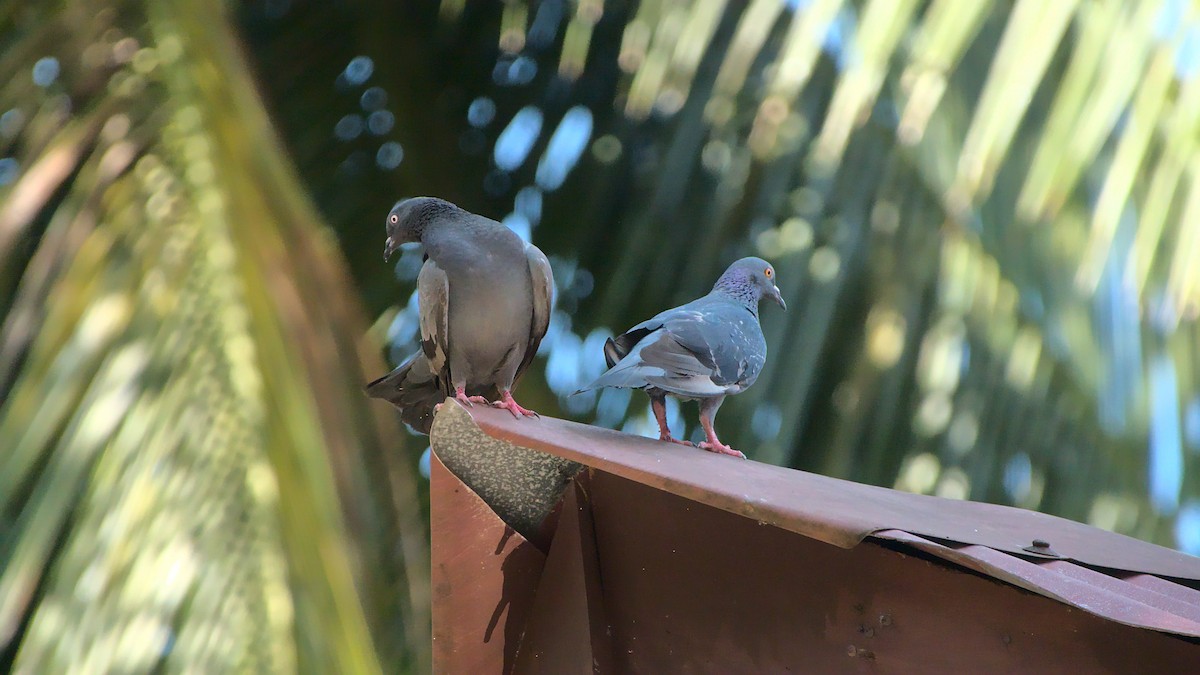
(751, 279)
(407, 220)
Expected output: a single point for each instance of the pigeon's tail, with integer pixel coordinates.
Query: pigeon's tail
(616, 349)
(661, 362)
(630, 372)
(414, 389)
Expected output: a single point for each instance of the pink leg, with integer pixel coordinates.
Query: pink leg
(506, 402)
(660, 414)
(461, 395)
(714, 444)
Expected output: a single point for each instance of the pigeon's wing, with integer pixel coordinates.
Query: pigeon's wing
(616, 347)
(708, 347)
(659, 360)
(543, 299)
(433, 298)
(726, 338)
(685, 372)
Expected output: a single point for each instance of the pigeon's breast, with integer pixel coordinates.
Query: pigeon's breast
(491, 311)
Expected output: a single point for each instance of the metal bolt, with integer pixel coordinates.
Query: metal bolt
(1040, 547)
(859, 652)
(885, 620)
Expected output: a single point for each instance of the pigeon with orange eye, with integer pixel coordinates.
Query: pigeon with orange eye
(705, 350)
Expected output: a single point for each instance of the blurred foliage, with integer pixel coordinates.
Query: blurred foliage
(190, 479)
(983, 213)
(984, 216)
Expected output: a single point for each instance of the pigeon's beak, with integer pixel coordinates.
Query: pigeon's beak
(389, 247)
(775, 295)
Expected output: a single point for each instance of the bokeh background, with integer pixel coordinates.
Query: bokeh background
(985, 217)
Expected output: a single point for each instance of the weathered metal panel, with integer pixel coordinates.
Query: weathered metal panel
(1179, 592)
(689, 588)
(834, 511)
(1071, 583)
(521, 485)
(568, 632)
(655, 567)
(483, 578)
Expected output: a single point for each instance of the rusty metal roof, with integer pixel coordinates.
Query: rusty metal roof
(1113, 576)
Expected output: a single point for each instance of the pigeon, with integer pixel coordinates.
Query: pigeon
(704, 350)
(484, 299)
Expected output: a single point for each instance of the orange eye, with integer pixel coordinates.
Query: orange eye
(769, 272)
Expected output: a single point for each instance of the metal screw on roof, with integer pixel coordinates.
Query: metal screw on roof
(859, 652)
(1041, 547)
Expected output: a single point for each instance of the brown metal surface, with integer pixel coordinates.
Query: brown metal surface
(522, 486)
(828, 509)
(643, 578)
(484, 575)
(568, 632)
(689, 588)
(1167, 610)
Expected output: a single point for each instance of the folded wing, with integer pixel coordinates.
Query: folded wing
(542, 277)
(659, 360)
(433, 300)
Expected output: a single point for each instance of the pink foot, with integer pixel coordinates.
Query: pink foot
(671, 439)
(720, 448)
(507, 403)
(468, 401)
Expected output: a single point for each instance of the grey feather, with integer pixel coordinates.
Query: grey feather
(705, 350)
(484, 304)
(414, 389)
(661, 362)
(542, 277)
(433, 295)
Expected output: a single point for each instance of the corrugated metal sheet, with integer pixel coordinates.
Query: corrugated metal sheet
(1113, 576)
(1171, 607)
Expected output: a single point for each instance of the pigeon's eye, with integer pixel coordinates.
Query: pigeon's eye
(393, 219)
(769, 272)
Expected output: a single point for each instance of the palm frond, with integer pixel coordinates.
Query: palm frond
(1036, 156)
(191, 477)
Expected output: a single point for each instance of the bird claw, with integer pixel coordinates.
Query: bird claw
(506, 402)
(671, 439)
(469, 401)
(721, 448)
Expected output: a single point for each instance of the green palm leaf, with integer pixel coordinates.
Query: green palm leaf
(190, 475)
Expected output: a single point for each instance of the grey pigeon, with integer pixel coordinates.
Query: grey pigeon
(484, 299)
(704, 350)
